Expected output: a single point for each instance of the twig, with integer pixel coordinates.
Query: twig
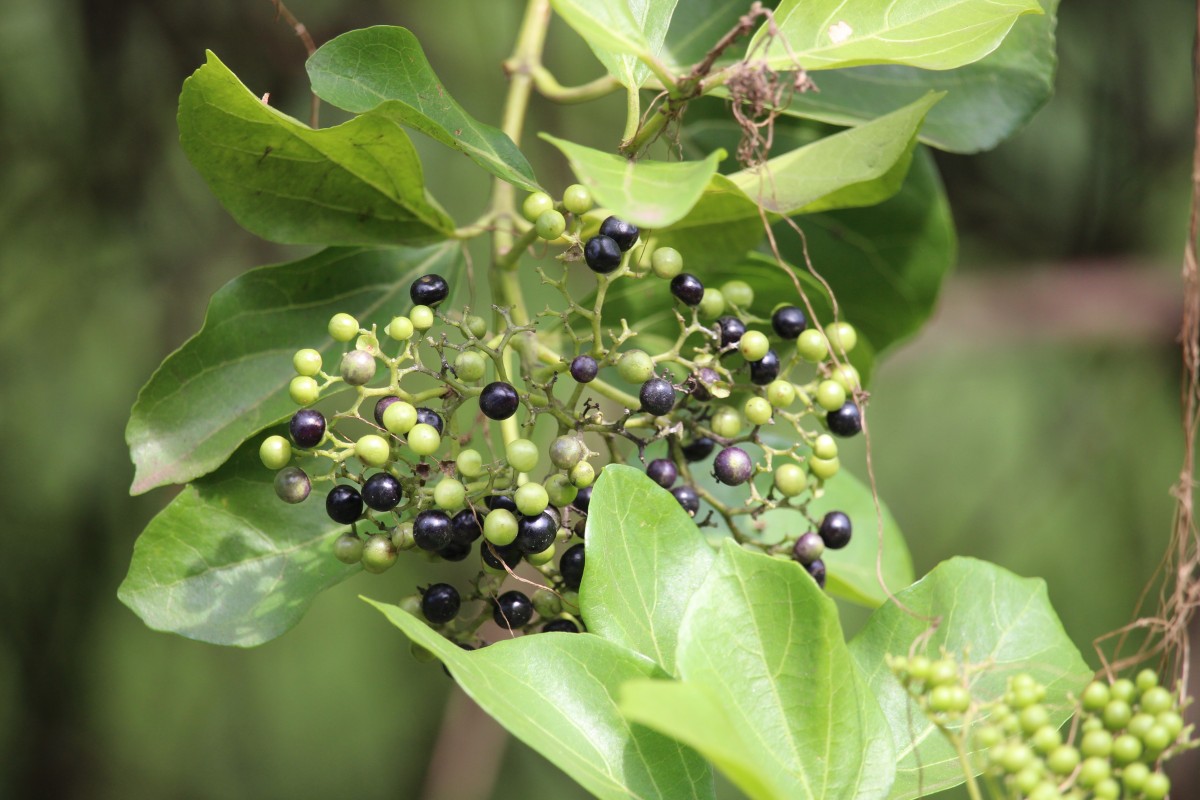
(310, 47)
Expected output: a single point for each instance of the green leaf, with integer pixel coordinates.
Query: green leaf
(650, 194)
(721, 227)
(986, 101)
(931, 34)
(557, 693)
(357, 183)
(857, 167)
(761, 637)
(653, 18)
(384, 69)
(227, 562)
(991, 615)
(698, 25)
(230, 380)
(608, 26)
(646, 558)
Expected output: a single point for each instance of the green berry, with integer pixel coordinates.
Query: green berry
(421, 317)
(1046, 739)
(500, 527)
(1095, 697)
(988, 736)
(423, 439)
(1107, 789)
(1092, 771)
(1172, 721)
(550, 225)
(348, 548)
(304, 390)
(842, 337)
(522, 455)
(1117, 714)
(1158, 738)
(667, 263)
(1022, 696)
(275, 452)
(372, 450)
(1045, 791)
(1027, 779)
(540, 558)
(1139, 724)
(449, 494)
(831, 395)
(918, 668)
(1157, 786)
(726, 422)
(1033, 718)
(307, 362)
(582, 475)
(1156, 700)
(754, 345)
(577, 199)
(811, 346)
(402, 536)
(848, 377)
(1096, 744)
(400, 328)
(949, 698)
(635, 366)
(1063, 760)
(824, 468)
(560, 490)
(343, 327)
(780, 393)
(470, 366)
(943, 671)
(757, 410)
(535, 205)
(1134, 776)
(712, 303)
(400, 417)
(531, 499)
(790, 479)
(1092, 723)
(476, 326)
(357, 367)
(378, 554)
(1146, 679)
(566, 451)
(1017, 757)
(825, 447)
(1126, 749)
(469, 463)
(1124, 689)
(740, 294)
(546, 603)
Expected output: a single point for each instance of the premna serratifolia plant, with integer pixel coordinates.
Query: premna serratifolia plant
(628, 496)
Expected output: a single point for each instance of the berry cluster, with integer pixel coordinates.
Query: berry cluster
(1116, 744)
(412, 462)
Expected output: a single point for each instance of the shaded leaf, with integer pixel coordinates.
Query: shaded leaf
(357, 183)
(991, 615)
(557, 693)
(721, 227)
(384, 69)
(608, 26)
(698, 25)
(653, 18)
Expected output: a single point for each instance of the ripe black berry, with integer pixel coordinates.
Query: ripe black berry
(625, 234)
(733, 466)
(500, 501)
(498, 400)
(817, 570)
(663, 472)
(429, 290)
(497, 557)
(808, 548)
(583, 499)
(466, 527)
(584, 369)
(687, 497)
(535, 534)
(431, 530)
(687, 288)
(440, 603)
(455, 551)
(657, 396)
(704, 378)
(789, 322)
(835, 530)
(307, 427)
(846, 421)
(382, 406)
(513, 610)
(731, 330)
(561, 626)
(602, 254)
(570, 566)
(699, 449)
(765, 370)
(427, 416)
(343, 504)
(381, 492)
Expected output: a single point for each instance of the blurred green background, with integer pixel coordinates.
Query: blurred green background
(1033, 424)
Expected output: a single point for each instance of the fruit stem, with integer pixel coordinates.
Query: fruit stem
(549, 87)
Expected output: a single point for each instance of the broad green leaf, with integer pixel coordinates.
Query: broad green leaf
(357, 183)
(720, 228)
(992, 616)
(652, 18)
(985, 103)
(697, 25)
(646, 558)
(857, 167)
(931, 34)
(761, 637)
(227, 562)
(557, 692)
(230, 379)
(384, 69)
(608, 26)
(650, 194)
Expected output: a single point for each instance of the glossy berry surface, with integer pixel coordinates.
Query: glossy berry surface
(663, 472)
(625, 234)
(343, 504)
(570, 566)
(535, 534)
(432, 530)
(657, 396)
(357, 367)
(601, 254)
(512, 610)
(307, 427)
(687, 288)
(666, 262)
(731, 330)
(835, 530)
(381, 492)
(440, 603)
(560, 626)
(577, 199)
(498, 557)
(292, 485)
(808, 548)
(429, 290)
(765, 370)
(817, 570)
(379, 554)
(733, 466)
(427, 416)
(498, 400)
(584, 368)
(466, 527)
(687, 497)
(500, 501)
(788, 322)
(699, 449)
(583, 500)
(846, 421)
(381, 405)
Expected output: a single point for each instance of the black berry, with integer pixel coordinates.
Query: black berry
(431, 530)
(808, 548)
(570, 566)
(382, 406)
(307, 427)
(663, 472)
(835, 530)
(584, 369)
(429, 290)
(687, 497)
(817, 570)
(657, 396)
(602, 254)
(344, 504)
(498, 557)
(466, 527)
(535, 534)
(455, 551)
(381, 492)
(788, 322)
(687, 288)
(513, 610)
(846, 421)
(498, 400)
(765, 369)
(500, 501)
(440, 603)
(732, 466)
(583, 499)
(731, 330)
(560, 626)
(699, 449)
(427, 416)
(625, 234)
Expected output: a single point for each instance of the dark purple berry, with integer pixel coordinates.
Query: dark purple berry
(733, 466)
(704, 378)
(583, 499)
(788, 322)
(427, 416)
(657, 396)
(835, 530)
(307, 427)
(687, 288)
(455, 551)
(512, 610)
(731, 329)
(498, 557)
(699, 449)
(846, 421)
(535, 534)
(808, 548)
(765, 369)
(498, 400)
(584, 369)
(431, 530)
(381, 492)
(560, 626)
(466, 527)
(429, 290)
(570, 566)
(602, 254)
(625, 234)
(663, 472)
(500, 501)
(382, 406)
(687, 497)
(817, 570)
(344, 504)
(440, 603)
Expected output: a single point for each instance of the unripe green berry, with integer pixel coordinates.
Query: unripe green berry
(1134, 776)
(811, 346)
(842, 337)
(1063, 760)
(1157, 739)
(1046, 739)
(421, 317)
(348, 548)
(304, 390)
(531, 499)
(583, 475)
(402, 536)
(420, 654)
(470, 365)
(275, 452)
(378, 554)
(476, 326)
(667, 263)
(1107, 789)
(1092, 723)
(988, 736)
(424, 440)
(577, 199)
(1155, 700)
(550, 225)
(1096, 744)
(1124, 689)
(635, 366)
(757, 410)
(824, 468)
(949, 698)
(1126, 749)
(307, 362)
(712, 303)
(357, 367)
(740, 294)
(1139, 724)
(1092, 771)
(560, 490)
(1095, 697)
(1022, 696)
(1156, 787)
(372, 450)
(449, 494)
(1027, 779)
(544, 557)
(500, 527)
(943, 671)
(1045, 791)
(847, 376)
(400, 417)
(546, 603)
(469, 463)
(1017, 756)
(522, 455)
(400, 328)
(343, 327)
(1117, 714)
(831, 395)
(566, 451)
(726, 422)
(1146, 679)
(781, 393)
(825, 447)
(918, 668)
(1172, 721)
(535, 205)
(1033, 718)
(754, 345)
(790, 479)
